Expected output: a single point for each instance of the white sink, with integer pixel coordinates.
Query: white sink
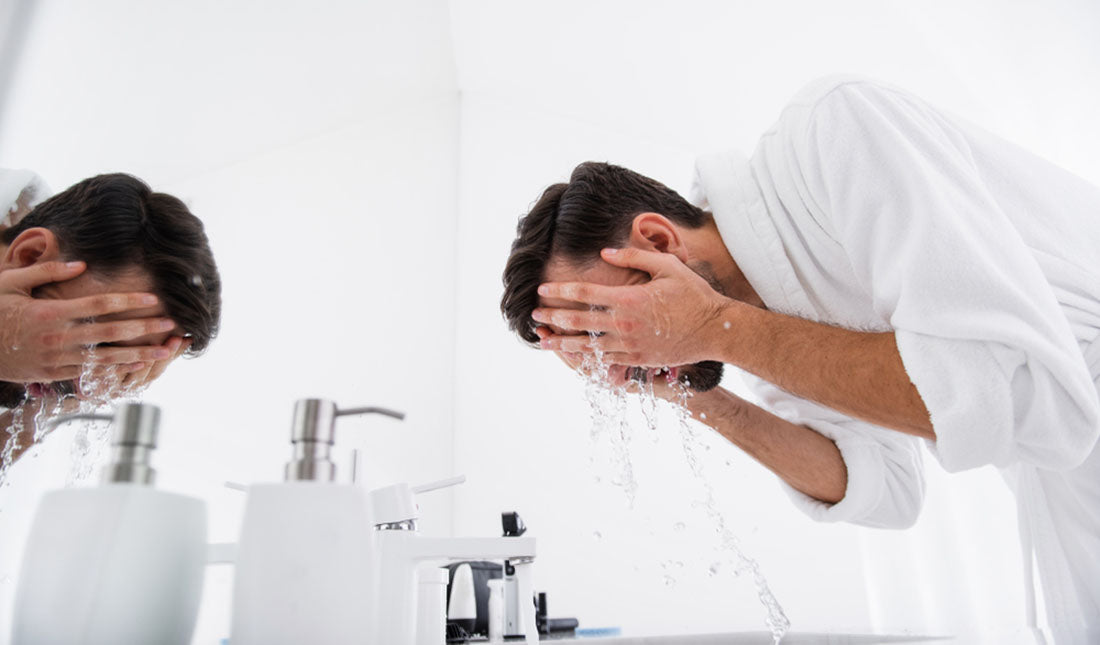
(760, 638)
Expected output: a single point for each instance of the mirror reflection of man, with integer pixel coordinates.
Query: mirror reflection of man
(879, 267)
(107, 264)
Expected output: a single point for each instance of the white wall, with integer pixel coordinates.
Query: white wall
(318, 141)
(649, 86)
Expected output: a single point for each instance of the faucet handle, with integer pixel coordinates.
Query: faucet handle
(436, 485)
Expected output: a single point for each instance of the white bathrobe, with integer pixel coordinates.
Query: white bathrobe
(864, 207)
(20, 191)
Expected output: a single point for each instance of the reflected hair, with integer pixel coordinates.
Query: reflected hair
(575, 220)
(115, 223)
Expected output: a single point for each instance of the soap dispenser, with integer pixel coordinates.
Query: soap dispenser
(305, 564)
(117, 564)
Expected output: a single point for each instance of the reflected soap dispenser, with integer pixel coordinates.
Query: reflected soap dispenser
(305, 566)
(117, 564)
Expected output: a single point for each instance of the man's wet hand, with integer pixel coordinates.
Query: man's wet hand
(668, 321)
(44, 340)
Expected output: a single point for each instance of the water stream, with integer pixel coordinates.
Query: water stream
(608, 406)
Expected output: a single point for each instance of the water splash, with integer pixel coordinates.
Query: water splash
(15, 431)
(647, 400)
(99, 387)
(608, 405)
(608, 419)
(777, 620)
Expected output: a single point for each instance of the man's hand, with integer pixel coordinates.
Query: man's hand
(661, 381)
(140, 379)
(46, 340)
(665, 321)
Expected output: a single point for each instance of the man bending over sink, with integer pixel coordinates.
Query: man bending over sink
(886, 273)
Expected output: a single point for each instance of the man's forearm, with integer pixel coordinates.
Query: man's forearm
(857, 373)
(808, 461)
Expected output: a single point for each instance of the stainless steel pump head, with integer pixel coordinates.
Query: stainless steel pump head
(313, 433)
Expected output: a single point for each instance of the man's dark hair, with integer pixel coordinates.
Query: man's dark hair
(576, 220)
(116, 222)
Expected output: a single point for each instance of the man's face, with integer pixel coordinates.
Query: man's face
(90, 284)
(699, 376)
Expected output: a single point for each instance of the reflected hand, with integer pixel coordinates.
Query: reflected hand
(666, 321)
(140, 379)
(45, 340)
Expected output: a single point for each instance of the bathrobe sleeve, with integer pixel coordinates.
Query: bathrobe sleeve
(885, 473)
(979, 330)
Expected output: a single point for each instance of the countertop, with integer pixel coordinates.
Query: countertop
(756, 638)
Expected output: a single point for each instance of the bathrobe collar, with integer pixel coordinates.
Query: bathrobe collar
(725, 185)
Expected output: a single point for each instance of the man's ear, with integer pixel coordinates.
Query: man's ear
(655, 232)
(32, 246)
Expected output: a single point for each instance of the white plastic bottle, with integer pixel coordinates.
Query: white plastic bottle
(496, 610)
(119, 564)
(431, 606)
(305, 568)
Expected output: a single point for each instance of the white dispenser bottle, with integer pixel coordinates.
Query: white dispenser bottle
(496, 610)
(119, 564)
(305, 563)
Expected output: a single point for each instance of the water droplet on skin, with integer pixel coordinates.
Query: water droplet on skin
(658, 332)
(726, 324)
(703, 416)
